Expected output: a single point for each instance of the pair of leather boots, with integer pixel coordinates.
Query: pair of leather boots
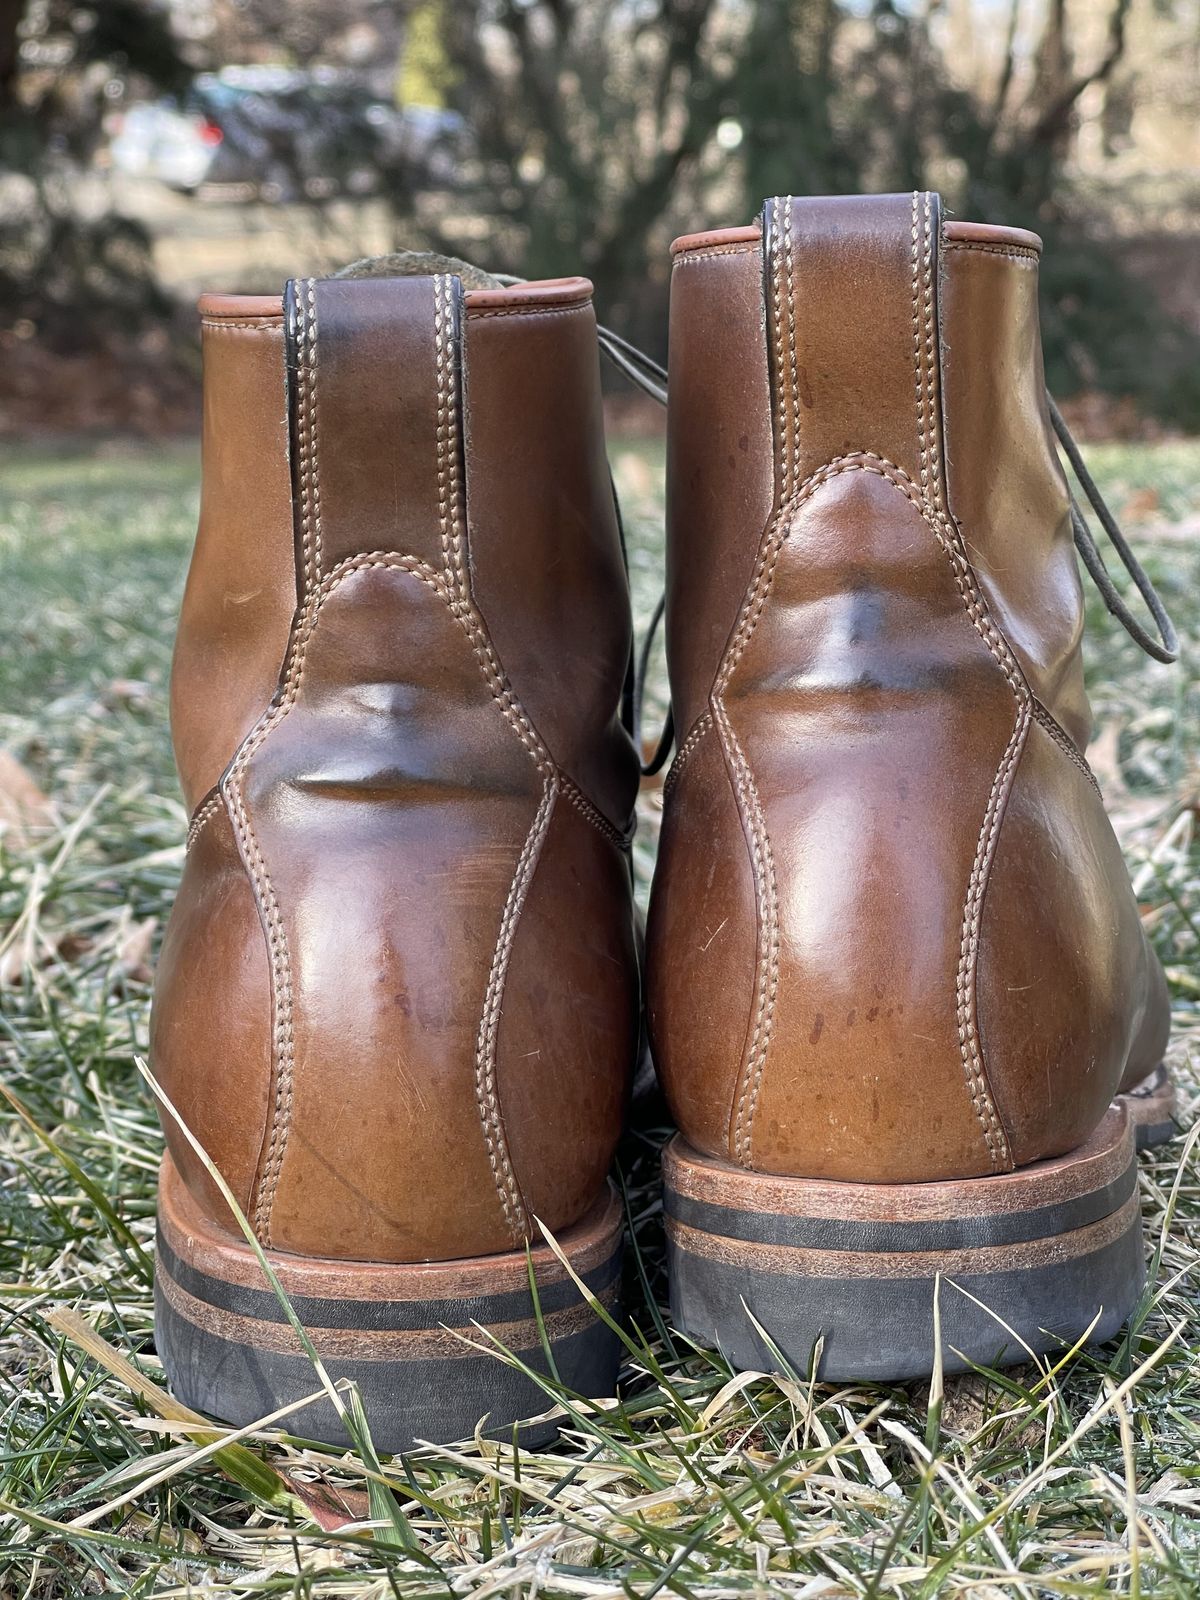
(898, 993)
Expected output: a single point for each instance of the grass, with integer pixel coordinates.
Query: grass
(1081, 1480)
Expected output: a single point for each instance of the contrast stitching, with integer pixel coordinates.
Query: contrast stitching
(306, 410)
(965, 987)
(303, 435)
(501, 688)
(209, 809)
(527, 311)
(394, 559)
(932, 378)
(315, 416)
(1014, 252)
(918, 372)
(935, 508)
(745, 790)
(283, 1032)
(1049, 722)
(699, 728)
(713, 252)
(283, 1023)
(486, 1095)
(450, 509)
(940, 525)
(781, 413)
(442, 421)
(793, 393)
(447, 435)
(767, 953)
(212, 326)
(450, 514)
(591, 813)
(925, 348)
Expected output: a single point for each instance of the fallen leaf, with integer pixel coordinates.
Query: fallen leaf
(330, 1508)
(133, 952)
(23, 806)
(1140, 504)
(131, 690)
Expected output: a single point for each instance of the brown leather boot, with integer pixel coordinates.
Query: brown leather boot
(397, 1002)
(896, 970)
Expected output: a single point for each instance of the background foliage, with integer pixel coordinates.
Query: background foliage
(594, 130)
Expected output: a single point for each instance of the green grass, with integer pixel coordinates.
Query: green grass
(1074, 1482)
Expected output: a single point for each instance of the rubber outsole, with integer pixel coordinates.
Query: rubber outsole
(410, 1335)
(777, 1271)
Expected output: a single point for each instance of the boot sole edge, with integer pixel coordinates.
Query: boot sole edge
(1028, 1261)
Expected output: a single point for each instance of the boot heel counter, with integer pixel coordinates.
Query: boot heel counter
(868, 712)
(871, 737)
(210, 1027)
(401, 813)
(701, 942)
(397, 804)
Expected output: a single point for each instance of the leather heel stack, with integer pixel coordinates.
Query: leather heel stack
(1031, 1260)
(398, 1330)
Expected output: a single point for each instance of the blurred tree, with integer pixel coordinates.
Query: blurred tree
(425, 78)
(831, 100)
(364, 36)
(62, 65)
(589, 119)
(597, 126)
(1013, 143)
(799, 134)
(1101, 327)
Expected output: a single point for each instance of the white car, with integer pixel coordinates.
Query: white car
(159, 141)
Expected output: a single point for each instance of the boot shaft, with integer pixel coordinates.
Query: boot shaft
(864, 323)
(362, 368)
(913, 952)
(398, 992)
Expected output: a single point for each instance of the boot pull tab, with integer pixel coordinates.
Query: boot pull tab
(370, 361)
(850, 294)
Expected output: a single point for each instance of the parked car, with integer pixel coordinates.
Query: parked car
(165, 141)
(287, 135)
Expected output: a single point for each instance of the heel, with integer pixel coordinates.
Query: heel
(228, 1350)
(1047, 1249)
(1151, 1106)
